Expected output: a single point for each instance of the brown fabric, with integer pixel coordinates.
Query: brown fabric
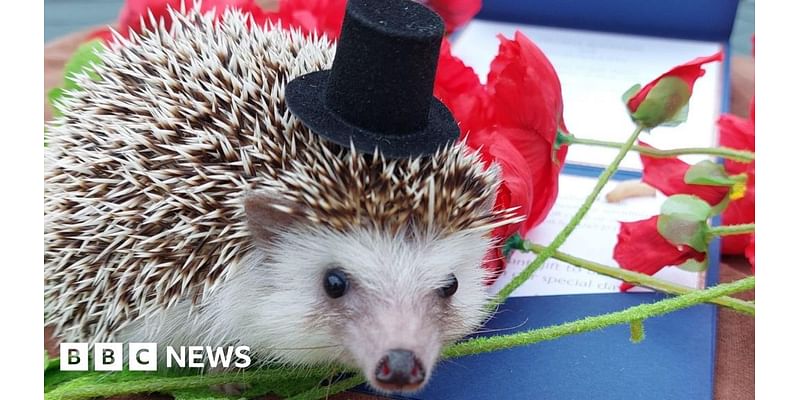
(735, 361)
(735, 368)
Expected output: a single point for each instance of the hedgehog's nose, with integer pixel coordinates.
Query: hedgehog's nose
(400, 370)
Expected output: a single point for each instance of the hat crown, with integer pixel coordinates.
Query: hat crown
(378, 94)
(385, 65)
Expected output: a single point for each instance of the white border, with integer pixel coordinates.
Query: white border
(22, 365)
(778, 204)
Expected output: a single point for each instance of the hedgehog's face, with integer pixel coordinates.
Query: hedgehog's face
(389, 301)
(385, 303)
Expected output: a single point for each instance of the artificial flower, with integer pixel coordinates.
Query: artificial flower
(136, 12)
(325, 16)
(518, 181)
(320, 16)
(739, 133)
(459, 88)
(741, 211)
(513, 120)
(662, 100)
(455, 13)
(750, 251)
(667, 175)
(527, 106)
(641, 248)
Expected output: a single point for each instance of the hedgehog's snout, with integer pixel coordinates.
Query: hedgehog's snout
(400, 370)
(396, 344)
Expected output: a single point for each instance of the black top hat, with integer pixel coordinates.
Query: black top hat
(379, 91)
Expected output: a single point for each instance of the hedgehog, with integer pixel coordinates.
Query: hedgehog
(186, 204)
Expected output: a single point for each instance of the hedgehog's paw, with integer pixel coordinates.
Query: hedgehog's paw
(230, 389)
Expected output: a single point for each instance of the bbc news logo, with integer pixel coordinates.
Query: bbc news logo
(144, 357)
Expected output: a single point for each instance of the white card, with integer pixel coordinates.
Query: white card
(595, 69)
(594, 239)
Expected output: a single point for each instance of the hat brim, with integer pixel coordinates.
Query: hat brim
(305, 97)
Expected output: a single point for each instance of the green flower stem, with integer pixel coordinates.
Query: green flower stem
(567, 230)
(722, 205)
(724, 152)
(325, 391)
(640, 312)
(640, 279)
(90, 387)
(727, 230)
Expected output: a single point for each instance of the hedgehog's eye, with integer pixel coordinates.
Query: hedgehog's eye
(335, 283)
(449, 288)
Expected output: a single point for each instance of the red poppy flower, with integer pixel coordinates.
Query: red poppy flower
(742, 211)
(641, 248)
(325, 16)
(520, 111)
(103, 34)
(750, 252)
(320, 16)
(662, 107)
(494, 263)
(739, 133)
(666, 174)
(454, 12)
(517, 186)
(526, 99)
(514, 120)
(459, 88)
(133, 12)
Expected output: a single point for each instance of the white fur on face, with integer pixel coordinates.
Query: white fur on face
(391, 303)
(275, 301)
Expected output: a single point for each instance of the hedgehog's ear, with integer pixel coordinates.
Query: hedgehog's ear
(268, 214)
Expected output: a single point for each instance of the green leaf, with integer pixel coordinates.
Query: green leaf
(62, 383)
(626, 97)
(693, 265)
(54, 378)
(707, 172)
(680, 117)
(692, 207)
(49, 362)
(82, 61)
(293, 387)
(53, 96)
(663, 104)
(201, 394)
(684, 221)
